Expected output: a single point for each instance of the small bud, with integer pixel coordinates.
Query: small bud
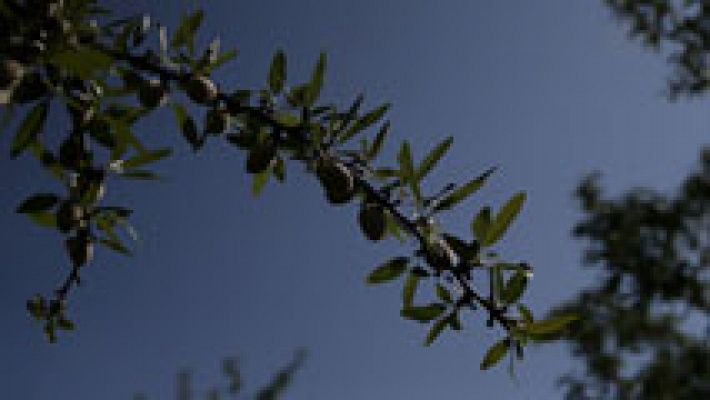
(217, 121)
(152, 93)
(201, 90)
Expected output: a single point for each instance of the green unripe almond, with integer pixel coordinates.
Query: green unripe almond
(338, 182)
(372, 221)
(201, 90)
(10, 72)
(217, 121)
(152, 93)
(260, 157)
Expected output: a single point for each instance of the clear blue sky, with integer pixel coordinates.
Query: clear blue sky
(549, 90)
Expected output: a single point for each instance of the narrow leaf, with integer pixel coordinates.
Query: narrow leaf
(433, 157)
(435, 331)
(388, 271)
(480, 224)
(515, 288)
(29, 129)
(504, 218)
(443, 294)
(552, 325)
(423, 313)
(409, 290)
(464, 191)
(495, 354)
(146, 158)
(379, 140)
(277, 72)
(365, 122)
(38, 202)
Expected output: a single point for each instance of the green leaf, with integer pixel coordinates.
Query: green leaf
(388, 271)
(65, 324)
(259, 180)
(84, 63)
(423, 313)
(409, 290)
(313, 89)
(443, 294)
(43, 218)
(526, 314)
(38, 202)
(504, 218)
(365, 122)
(495, 353)
(515, 288)
(433, 157)
(435, 331)
(280, 169)
(379, 140)
(185, 34)
(406, 167)
(187, 126)
(29, 129)
(464, 191)
(551, 325)
(277, 72)
(139, 174)
(480, 224)
(115, 245)
(146, 158)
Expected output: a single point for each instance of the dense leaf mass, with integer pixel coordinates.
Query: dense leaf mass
(644, 331)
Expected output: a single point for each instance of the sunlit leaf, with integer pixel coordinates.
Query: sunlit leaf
(504, 218)
(495, 353)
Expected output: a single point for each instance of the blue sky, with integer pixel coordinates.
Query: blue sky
(548, 90)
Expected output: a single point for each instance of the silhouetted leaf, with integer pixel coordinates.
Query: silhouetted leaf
(433, 157)
(409, 290)
(388, 271)
(277, 72)
(29, 129)
(146, 158)
(38, 202)
(379, 140)
(435, 331)
(423, 313)
(185, 33)
(365, 122)
(313, 89)
(443, 294)
(463, 192)
(84, 63)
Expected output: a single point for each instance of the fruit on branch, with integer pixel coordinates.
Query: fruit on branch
(337, 180)
(30, 88)
(217, 121)
(80, 249)
(440, 255)
(201, 89)
(260, 157)
(10, 72)
(372, 221)
(152, 93)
